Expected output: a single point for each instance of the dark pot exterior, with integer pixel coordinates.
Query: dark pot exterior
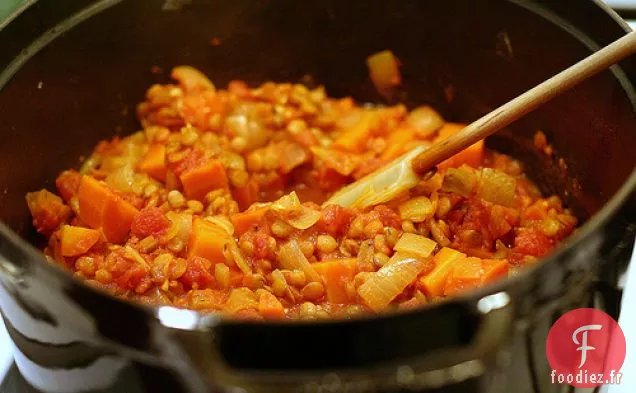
(75, 69)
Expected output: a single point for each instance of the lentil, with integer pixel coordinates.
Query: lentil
(326, 243)
(313, 291)
(281, 229)
(176, 199)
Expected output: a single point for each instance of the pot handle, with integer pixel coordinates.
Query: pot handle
(441, 345)
(10, 270)
(617, 252)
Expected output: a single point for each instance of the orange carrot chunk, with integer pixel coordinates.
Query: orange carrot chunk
(336, 274)
(93, 197)
(100, 208)
(204, 178)
(207, 240)
(243, 221)
(77, 240)
(474, 272)
(247, 194)
(472, 155)
(384, 70)
(434, 282)
(356, 137)
(118, 219)
(270, 307)
(154, 162)
(465, 274)
(396, 142)
(494, 269)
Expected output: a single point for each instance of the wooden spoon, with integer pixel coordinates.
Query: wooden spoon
(407, 169)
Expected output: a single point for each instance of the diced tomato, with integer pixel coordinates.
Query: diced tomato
(388, 217)
(197, 274)
(131, 277)
(477, 216)
(260, 241)
(67, 183)
(150, 221)
(117, 263)
(236, 278)
(335, 219)
(535, 212)
(48, 210)
(532, 241)
(455, 217)
(502, 219)
(192, 160)
(127, 274)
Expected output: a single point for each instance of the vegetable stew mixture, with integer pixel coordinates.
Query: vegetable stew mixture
(216, 206)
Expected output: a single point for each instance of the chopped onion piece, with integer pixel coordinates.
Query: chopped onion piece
(381, 287)
(384, 71)
(417, 209)
(425, 120)
(183, 224)
(191, 79)
(497, 187)
(135, 256)
(306, 218)
(240, 299)
(222, 222)
(292, 258)
(461, 181)
(292, 156)
(238, 258)
(381, 186)
(286, 204)
(290, 210)
(415, 244)
(122, 179)
(350, 119)
(364, 261)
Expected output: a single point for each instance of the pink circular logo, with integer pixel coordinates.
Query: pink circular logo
(586, 348)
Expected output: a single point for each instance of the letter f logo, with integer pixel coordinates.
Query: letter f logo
(584, 347)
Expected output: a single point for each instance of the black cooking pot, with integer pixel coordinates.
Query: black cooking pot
(74, 70)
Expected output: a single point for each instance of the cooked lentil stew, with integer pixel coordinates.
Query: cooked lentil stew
(216, 206)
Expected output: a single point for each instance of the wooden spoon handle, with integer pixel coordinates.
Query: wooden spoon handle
(526, 102)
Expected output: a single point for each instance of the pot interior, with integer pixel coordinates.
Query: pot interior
(463, 58)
